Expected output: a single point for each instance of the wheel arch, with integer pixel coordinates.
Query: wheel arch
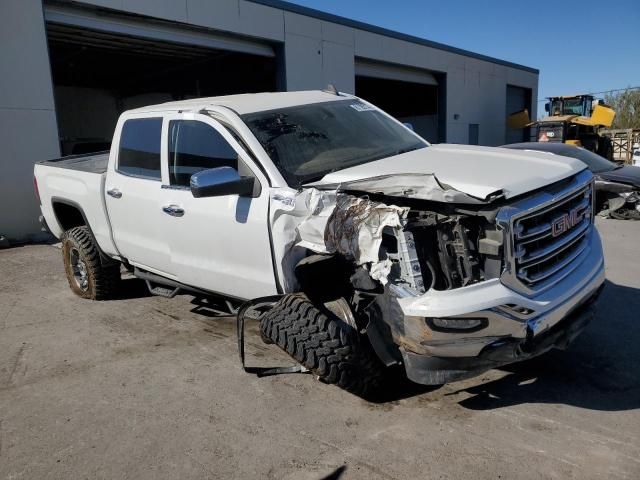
(70, 214)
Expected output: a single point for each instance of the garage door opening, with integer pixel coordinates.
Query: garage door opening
(518, 99)
(410, 96)
(97, 75)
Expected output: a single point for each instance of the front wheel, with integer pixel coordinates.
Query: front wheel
(88, 275)
(329, 347)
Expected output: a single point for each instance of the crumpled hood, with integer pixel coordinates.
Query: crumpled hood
(479, 172)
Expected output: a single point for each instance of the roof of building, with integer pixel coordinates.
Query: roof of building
(247, 102)
(329, 17)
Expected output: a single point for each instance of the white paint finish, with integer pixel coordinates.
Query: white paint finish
(24, 60)
(302, 25)
(165, 9)
(82, 188)
(303, 58)
(261, 21)
(26, 136)
(220, 243)
(246, 103)
(221, 14)
(476, 171)
(338, 66)
(136, 217)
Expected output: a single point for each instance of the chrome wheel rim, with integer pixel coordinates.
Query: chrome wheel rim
(79, 269)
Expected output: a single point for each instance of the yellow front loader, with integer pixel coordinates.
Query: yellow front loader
(575, 120)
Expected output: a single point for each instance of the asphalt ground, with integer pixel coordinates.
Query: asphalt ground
(151, 388)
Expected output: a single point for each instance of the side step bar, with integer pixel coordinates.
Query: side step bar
(164, 287)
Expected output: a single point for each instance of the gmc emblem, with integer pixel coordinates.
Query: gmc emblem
(567, 221)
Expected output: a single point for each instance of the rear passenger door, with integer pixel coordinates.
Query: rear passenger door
(133, 189)
(219, 243)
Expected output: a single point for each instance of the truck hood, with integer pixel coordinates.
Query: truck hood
(480, 172)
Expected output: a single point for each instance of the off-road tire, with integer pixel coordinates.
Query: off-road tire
(102, 276)
(323, 343)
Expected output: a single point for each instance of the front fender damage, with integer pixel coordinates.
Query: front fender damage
(341, 219)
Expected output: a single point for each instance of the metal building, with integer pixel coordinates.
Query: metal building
(69, 68)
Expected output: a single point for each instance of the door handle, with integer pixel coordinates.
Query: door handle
(173, 210)
(114, 192)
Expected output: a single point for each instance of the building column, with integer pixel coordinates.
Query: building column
(29, 131)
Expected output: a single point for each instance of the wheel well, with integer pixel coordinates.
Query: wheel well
(68, 216)
(324, 277)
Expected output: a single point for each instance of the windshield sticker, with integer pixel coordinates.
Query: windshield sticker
(361, 107)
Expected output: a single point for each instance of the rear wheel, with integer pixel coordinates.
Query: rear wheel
(329, 347)
(88, 275)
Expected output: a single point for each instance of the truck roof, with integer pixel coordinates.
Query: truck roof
(247, 102)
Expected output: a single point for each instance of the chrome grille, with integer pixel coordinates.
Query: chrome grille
(547, 240)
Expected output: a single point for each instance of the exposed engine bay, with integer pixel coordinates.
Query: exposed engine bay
(415, 243)
(442, 252)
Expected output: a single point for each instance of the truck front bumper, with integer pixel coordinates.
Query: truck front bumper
(513, 326)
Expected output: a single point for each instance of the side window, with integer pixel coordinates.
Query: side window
(195, 146)
(139, 152)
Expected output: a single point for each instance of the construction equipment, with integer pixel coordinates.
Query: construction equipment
(575, 120)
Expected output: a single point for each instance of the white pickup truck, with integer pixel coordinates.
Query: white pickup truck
(379, 248)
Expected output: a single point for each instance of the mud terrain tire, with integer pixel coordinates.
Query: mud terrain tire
(88, 276)
(323, 343)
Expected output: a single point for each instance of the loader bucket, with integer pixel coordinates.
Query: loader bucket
(519, 119)
(602, 115)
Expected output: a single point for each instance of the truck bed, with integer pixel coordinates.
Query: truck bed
(91, 163)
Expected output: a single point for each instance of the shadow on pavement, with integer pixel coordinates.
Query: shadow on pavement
(600, 371)
(132, 288)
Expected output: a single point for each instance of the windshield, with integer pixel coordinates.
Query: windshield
(309, 141)
(568, 106)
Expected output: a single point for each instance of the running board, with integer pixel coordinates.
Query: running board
(161, 290)
(161, 286)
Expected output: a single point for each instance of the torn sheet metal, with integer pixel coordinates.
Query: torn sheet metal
(420, 186)
(355, 226)
(329, 222)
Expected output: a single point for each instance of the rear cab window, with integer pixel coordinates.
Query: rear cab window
(139, 150)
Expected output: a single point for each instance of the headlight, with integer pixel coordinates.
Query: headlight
(456, 324)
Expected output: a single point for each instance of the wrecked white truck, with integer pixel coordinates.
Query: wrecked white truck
(358, 244)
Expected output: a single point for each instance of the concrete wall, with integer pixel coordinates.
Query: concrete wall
(316, 52)
(27, 114)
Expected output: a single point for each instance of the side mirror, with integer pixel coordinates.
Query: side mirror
(220, 181)
(546, 107)
(409, 126)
